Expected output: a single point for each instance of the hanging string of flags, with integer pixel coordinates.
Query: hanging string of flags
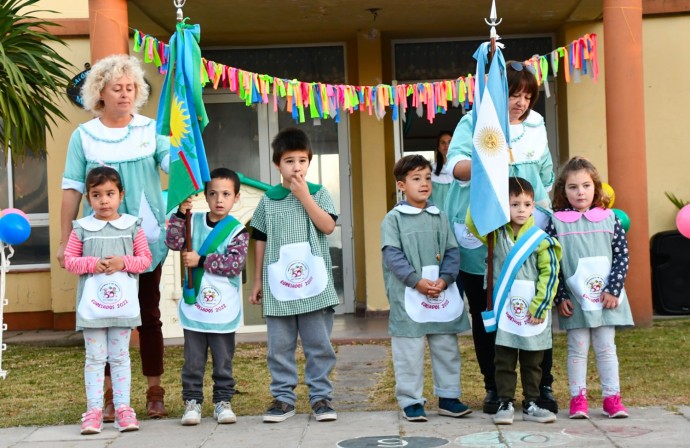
(319, 100)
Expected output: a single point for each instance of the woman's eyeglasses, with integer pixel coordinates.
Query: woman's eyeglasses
(519, 66)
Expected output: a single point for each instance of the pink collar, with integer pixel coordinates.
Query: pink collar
(595, 214)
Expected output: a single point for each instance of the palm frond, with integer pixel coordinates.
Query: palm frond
(32, 74)
(679, 203)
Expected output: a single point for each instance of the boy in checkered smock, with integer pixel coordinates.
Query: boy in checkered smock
(293, 279)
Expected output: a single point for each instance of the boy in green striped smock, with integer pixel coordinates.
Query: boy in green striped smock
(293, 280)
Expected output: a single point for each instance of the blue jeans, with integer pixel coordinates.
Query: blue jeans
(314, 330)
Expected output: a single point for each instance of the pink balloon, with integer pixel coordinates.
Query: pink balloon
(683, 221)
(9, 211)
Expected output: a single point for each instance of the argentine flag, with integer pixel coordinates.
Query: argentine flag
(490, 153)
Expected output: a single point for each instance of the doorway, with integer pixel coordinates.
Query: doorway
(431, 60)
(239, 137)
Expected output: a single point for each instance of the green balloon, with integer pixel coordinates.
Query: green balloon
(624, 218)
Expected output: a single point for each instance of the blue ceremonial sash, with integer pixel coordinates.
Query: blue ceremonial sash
(214, 239)
(517, 256)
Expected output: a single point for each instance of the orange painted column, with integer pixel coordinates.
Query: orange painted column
(108, 33)
(626, 149)
(108, 28)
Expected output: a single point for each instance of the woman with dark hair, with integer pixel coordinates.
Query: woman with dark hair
(441, 178)
(532, 161)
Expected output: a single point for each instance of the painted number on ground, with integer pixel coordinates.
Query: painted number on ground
(393, 442)
(494, 439)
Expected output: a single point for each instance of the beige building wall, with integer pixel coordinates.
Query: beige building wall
(666, 64)
(28, 292)
(373, 160)
(58, 9)
(62, 283)
(356, 157)
(586, 106)
(667, 98)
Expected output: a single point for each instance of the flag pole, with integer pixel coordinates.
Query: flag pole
(188, 214)
(490, 237)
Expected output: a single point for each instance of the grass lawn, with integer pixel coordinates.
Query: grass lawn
(44, 385)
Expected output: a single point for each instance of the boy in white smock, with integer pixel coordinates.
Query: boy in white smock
(525, 276)
(420, 263)
(211, 311)
(293, 279)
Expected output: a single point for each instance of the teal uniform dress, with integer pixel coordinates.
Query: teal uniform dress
(281, 216)
(531, 161)
(586, 267)
(424, 236)
(218, 307)
(533, 290)
(137, 153)
(100, 239)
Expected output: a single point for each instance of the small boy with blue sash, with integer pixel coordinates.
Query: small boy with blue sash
(526, 265)
(211, 311)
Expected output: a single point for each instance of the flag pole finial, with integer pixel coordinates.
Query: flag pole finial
(493, 22)
(179, 4)
(493, 16)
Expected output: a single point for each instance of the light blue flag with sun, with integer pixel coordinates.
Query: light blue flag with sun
(182, 116)
(490, 153)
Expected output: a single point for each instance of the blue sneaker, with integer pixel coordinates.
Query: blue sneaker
(452, 407)
(323, 411)
(415, 413)
(279, 411)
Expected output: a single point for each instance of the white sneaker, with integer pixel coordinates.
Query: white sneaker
(223, 413)
(504, 415)
(192, 413)
(534, 413)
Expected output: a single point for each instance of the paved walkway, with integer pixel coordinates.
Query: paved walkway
(356, 371)
(650, 427)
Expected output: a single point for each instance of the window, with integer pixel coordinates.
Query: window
(25, 186)
(447, 59)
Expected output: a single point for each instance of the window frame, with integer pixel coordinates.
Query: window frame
(36, 220)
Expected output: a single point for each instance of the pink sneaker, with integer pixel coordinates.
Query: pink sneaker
(92, 421)
(614, 408)
(579, 407)
(125, 419)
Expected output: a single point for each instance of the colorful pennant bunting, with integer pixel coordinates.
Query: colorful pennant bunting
(321, 100)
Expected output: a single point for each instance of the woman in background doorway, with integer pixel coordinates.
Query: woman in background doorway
(441, 178)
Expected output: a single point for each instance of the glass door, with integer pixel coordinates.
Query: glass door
(239, 137)
(234, 139)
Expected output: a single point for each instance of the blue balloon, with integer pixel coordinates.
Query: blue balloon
(14, 229)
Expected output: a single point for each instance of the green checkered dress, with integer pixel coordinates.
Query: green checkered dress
(281, 216)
